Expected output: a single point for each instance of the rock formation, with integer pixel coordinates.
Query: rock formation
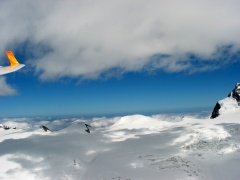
(235, 93)
(230, 103)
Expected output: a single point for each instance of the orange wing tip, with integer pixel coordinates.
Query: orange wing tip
(13, 61)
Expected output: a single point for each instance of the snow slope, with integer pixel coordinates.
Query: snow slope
(133, 147)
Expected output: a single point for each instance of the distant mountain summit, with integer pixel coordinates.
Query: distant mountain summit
(235, 93)
(231, 103)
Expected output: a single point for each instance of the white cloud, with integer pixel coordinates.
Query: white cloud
(87, 38)
(5, 89)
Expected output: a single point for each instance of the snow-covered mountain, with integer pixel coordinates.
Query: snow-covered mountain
(231, 103)
(235, 93)
(134, 147)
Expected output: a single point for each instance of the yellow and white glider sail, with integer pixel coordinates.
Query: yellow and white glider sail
(14, 64)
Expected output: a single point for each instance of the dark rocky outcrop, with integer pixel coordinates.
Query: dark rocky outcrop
(45, 128)
(215, 112)
(235, 94)
(4, 127)
(87, 126)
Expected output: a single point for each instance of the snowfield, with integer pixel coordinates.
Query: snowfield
(134, 147)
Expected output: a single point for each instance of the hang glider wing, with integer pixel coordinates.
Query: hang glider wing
(14, 64)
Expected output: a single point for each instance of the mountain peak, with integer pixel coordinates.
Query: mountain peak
(231, 103)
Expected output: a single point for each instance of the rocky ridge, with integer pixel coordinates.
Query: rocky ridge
(230, 103)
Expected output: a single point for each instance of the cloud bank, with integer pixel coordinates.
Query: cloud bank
(5, 89)
(88, 39)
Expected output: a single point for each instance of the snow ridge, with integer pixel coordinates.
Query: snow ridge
(126, 148)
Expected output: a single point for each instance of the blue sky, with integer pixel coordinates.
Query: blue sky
(87, 58)
(132, 93)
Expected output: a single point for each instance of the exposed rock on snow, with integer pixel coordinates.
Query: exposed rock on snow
(45, 128)
(215, 112)
(235, 93)
(229, 104)
(124, 148)
(226, 105)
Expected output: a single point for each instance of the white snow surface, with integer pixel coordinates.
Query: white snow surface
(228, 105)
(133, 147)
